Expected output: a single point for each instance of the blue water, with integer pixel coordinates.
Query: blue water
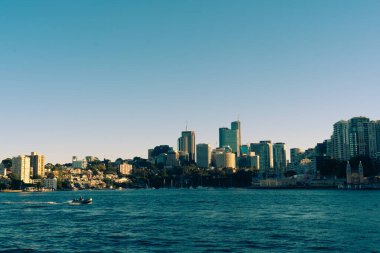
(192, 220)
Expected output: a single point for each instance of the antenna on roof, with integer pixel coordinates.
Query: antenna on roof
(186, 125)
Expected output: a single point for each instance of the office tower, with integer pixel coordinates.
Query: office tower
(279, 158)
(374, 139)
(340, 141)
(294, 155)
(244, 150)
(236, 125)
(224, 158)
(37, 164)
(265, 152)
(186, 143)
(358, 136)
(231, 137)
(172, 158)
(203, 155)
(249, 161)
(21, 167)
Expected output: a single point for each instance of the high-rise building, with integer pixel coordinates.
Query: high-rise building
(203, 155)
(37, 164)
(358, 136)
(172, 158)
(21, 167)
(374, 139)
(186, 143)
(244, 150)
(294, 155)
(265, 151)
(224, 158)
(231, 137)
(340, 141)
(249, 161)
(279, 158)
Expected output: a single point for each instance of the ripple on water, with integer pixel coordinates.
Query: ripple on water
(210, 220)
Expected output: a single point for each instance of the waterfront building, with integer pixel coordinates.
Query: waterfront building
(50, 183)
(231, 137)
(356, 137)
(37, 165)
(203, 155)
(279, 158)
(21, 167)
(354, 178)
(186, 143)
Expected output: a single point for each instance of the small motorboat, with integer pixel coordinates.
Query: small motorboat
(82, 201)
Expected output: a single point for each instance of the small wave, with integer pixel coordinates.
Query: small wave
(29, 203)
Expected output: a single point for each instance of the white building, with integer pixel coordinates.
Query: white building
(21, 167)
(50, 183)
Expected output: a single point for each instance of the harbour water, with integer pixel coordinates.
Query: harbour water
(192, 220)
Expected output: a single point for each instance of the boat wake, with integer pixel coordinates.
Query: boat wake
(31, 203)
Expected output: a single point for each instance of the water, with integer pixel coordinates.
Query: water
(192, 220)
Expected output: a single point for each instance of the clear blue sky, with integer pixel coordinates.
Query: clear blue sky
(114, 78)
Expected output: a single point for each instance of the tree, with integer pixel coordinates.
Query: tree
(7, 163)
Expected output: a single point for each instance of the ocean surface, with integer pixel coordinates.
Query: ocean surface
(192, 220)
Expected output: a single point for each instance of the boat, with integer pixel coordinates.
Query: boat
(82, 201)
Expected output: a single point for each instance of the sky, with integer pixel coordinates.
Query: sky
(114, 78)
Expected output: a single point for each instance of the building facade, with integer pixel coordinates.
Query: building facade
(231, 137)
(203, 155)
(21, 167)
(279, 158)
(186, 143)
(37, 164)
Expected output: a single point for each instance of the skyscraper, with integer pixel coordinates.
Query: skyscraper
(186, 143)
(358, 136)
(340, 141)
(294, 155)
(37, 162)
(21, 167)
(279, 158)
(374, 139)
(231, 137)
(265, 152)
(203, 155)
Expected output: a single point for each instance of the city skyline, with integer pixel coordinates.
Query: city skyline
(112, 79)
